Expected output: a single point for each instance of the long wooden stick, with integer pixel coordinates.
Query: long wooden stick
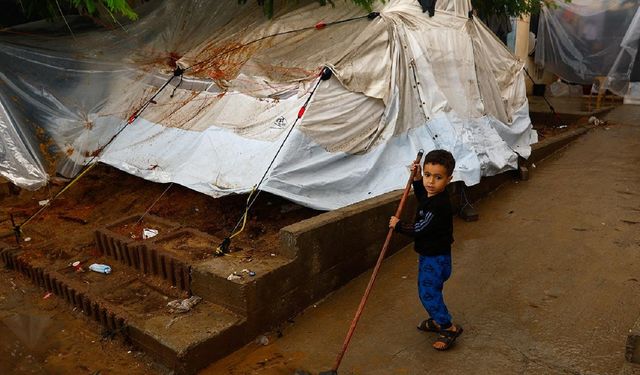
(383, 252)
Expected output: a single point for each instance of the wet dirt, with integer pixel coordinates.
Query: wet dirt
(106, 195)
(64, 233)
(41, 335)
(186, 245)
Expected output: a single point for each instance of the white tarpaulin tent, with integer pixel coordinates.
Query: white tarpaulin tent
(402, 81)
(585, 39)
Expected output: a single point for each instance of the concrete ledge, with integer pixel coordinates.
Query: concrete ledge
(546, 147)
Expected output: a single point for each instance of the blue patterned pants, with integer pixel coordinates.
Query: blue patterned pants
(432, 273)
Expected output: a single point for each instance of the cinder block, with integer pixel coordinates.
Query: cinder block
(134, 252)
(523, 171)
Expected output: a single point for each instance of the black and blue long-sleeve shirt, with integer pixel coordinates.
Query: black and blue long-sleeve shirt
(433, 226)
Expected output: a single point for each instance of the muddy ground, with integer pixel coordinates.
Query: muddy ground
(43, 335)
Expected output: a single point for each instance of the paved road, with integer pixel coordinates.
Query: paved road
(547, 282)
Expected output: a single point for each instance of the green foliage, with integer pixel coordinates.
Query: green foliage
(114, 6)
(366, 4)
(512, 8)
(483, 7)
(51, 9)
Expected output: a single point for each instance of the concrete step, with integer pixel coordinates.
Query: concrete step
(135, 307)
(185, 258)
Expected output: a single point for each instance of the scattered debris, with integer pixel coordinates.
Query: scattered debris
(100, 268)
(234, 276)
(273, 254)
(593, 120)
(27, 239)
(44, 202)
(262, 340)
(249, 272)
(183, 306)
(49, 294)
(149, 233)
(562, 126)
(173, 320)
(77, 266)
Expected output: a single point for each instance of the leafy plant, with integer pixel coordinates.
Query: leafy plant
(55, 8)
(114, 6)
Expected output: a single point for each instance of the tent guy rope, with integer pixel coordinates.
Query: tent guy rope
(17, 229)
(251, 199)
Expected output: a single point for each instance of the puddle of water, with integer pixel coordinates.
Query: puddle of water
(24, 342)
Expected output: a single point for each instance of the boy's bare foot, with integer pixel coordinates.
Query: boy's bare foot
(447, 337)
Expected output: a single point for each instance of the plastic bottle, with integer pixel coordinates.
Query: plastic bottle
(100, 268)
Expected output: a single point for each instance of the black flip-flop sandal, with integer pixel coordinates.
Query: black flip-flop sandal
(448, 338)
(428, 325)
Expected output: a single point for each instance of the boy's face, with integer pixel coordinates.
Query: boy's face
(435, 178)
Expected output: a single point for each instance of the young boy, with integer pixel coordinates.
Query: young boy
(433, 234)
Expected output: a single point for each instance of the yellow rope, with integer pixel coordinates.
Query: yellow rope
(246, 213)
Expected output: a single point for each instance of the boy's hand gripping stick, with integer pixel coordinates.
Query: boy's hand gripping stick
(383, 252)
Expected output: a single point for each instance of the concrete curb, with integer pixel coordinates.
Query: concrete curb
(546, 147)
(327, 245)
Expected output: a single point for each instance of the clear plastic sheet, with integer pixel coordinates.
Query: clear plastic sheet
(402, 81)
(585, 39)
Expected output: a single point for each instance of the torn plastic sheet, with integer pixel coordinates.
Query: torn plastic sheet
(585, 39)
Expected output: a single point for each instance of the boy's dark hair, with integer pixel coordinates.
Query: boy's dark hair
(442, 157)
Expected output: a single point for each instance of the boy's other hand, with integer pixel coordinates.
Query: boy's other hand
(393, 221)
(418, 171)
